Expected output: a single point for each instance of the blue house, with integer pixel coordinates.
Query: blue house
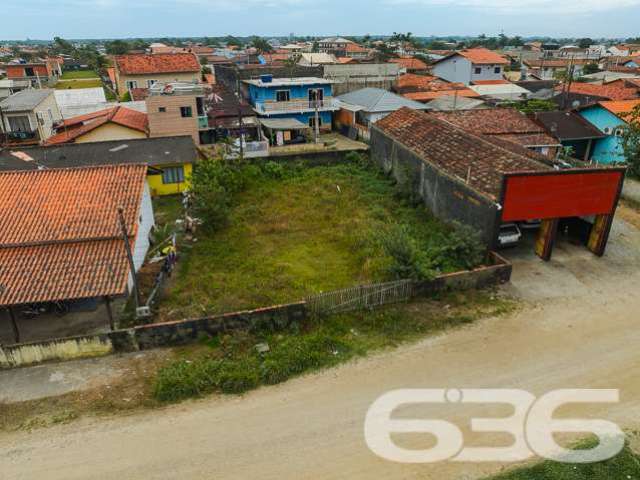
(291, 105)
(608, 117)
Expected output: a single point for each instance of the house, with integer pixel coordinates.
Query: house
(410, 64)
(609, 117)
(169, 160)
(361, 108)
(469, 65)
(39, 73)
(424, 88)
(9, 87)
(504, 124)
(334, 45)
(580, 94)
(572, 130)
(499, 90)
(29, 116)
(299, 100)
(113, 123)
(142, 71)
(357, 52)
(314, 59)
(485, 182)
(448, 103)
(354, 76)
(551, 68)
(65, 235)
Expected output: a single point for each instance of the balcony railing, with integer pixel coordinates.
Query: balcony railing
(21, 137)
(271, 106)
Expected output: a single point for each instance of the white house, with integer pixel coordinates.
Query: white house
(470, 65)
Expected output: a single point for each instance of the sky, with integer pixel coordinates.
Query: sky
(44, 19)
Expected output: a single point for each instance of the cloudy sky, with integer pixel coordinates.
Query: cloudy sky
(43, 19)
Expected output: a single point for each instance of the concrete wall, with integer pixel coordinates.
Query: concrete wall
(170, 122)
(232, 76)
(448, 198)
(454, 69)
(143, 80)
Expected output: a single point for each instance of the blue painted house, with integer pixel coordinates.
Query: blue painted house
(292, 104)
(608, 117)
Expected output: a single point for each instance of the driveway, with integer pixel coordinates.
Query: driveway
(578, 329)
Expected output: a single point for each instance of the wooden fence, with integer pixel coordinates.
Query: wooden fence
(360, 297)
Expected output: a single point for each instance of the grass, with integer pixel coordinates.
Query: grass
(626, 465)
(290, 237)
(79, 74)
(73, 84)
(233, 364)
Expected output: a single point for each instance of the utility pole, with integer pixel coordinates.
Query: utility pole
(241, 132)
(127, 247)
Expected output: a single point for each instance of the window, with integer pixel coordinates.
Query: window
(28, 72)
(312, 122)
(19, 124)
(282, 95)
(162, 109)
(497, 70)
(186, 112)
(151, 83)
(478, 70)
(131, 84)
(173, 175)
(619, 132)
(50, 115)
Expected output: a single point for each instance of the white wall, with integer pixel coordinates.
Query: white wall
(487, 72)
(454, 69)
(145, 223)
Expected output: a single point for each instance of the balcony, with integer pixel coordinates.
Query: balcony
(296, 106)
(19, 138)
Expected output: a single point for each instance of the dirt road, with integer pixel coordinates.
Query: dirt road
(311, 427)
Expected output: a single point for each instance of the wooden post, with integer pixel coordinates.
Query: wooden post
(107, 302)
(546, 238)
(600, 234)
(14, 325)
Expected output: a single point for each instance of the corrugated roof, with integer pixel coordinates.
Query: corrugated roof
(59, 232)
(25, 100)
(378, 100)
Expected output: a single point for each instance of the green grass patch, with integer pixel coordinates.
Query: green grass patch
(293, 232)
(626, 465)
(233, 364)
(74, 84)
(79, 74)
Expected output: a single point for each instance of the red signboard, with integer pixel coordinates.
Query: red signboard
(560, 194)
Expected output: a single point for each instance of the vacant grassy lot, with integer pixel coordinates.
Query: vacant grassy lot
(308, 231)
(79, 75)
(73, 84)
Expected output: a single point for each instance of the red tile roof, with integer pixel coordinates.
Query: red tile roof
(479, 56)
(505, 123)
(139, 94)
(355, 48)
(409, 63)
(457, 152)
(612, 92)
(157, 63)
(59, 232)
(491, 82)
(621, 108)
(75, 127)
(428, 96)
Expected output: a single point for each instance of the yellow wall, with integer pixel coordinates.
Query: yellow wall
(159, 188)
(110, 131)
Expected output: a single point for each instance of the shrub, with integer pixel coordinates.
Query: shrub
(273, 170)
(462, 248)
(406, 260)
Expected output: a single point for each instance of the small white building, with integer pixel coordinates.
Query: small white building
(470, 65)
(29, 115)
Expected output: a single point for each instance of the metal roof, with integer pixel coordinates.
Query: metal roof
(451, 102)
(377, 100)
(568, 126)
(24, 100)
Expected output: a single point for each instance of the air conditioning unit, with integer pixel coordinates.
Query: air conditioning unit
(143, 312)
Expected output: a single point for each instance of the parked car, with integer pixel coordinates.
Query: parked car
(530, 224)
(509, 235)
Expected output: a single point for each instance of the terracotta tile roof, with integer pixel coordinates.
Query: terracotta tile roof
(621, 108)
(111, 71)
(457, 152)
(505, 123)
(556, 62)
(59, 232)
(491, 82)
(75, 127)
(428, 96)
(410, 63)
(346, 60)
(612, 92)
(355, 48)
(482, 56)
(427, 83)
(157, 63)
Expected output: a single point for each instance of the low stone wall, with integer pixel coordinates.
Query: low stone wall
(187, 331)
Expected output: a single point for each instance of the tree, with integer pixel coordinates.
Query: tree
(585, 42)
(232, 41)
(117, 47)
(60, 45)
(315, 48)
(533, 105)
(590, 68)
(631, 141)
(261, 45)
